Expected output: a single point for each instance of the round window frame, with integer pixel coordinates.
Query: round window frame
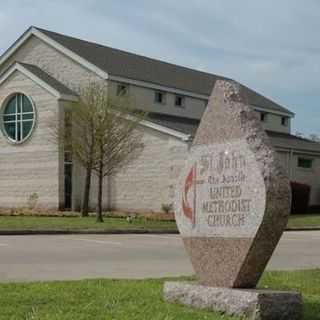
(4, 105)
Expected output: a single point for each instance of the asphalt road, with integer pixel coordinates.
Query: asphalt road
(29, 258)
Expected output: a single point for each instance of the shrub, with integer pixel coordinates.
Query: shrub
(167, 207)
(33, 200)
(300, 197)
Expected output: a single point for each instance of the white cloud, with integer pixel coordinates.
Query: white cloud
(269, 45)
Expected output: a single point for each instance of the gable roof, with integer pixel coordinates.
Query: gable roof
(128, 65)
(278, 139)
(184, 125)
(43, 79)
(110, 62)
(287, 140)
(54, 83)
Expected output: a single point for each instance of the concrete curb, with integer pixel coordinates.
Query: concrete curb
(75, 231)
(303, 229)
(115, 231)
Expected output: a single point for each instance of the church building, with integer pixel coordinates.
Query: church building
(39, 75)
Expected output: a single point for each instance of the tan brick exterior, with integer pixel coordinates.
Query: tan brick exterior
(61, 67)
(147, 183)
(302, 175)
(144, 98)
(36, 166)
(33, 166)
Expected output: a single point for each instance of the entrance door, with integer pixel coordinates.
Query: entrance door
(68, 185)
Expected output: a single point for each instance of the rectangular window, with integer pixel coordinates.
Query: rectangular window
(67, 130)
(160, 97)
(122, 90)
(284, 121)
(263, 117)
(68, 157)
(179, 101)
(305, 163)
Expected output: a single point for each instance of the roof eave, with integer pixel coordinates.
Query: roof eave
(18, 67)
(177, 134)
(33, 31)
(278, 112)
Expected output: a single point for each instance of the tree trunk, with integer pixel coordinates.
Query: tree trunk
(86, 194)
(100, 177)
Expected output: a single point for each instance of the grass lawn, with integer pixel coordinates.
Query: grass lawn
(52, 223)
(307, 282)
(65, 223)
(130, 299)
(304, 220)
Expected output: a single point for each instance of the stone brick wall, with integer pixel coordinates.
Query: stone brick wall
(302, 175)
(61, 67)
(149, 181)
(144, 98)
(146, 183)
(273, 123)
(33, 166)
(308, 176)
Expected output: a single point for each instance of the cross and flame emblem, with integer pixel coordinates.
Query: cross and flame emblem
(189, 193)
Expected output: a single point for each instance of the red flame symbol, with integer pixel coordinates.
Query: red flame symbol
(186, 207)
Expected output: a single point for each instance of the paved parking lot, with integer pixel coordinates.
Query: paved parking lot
(126, 256)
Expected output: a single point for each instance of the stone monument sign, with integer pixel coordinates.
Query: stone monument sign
(232, 199)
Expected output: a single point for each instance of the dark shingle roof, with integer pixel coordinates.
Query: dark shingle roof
(181, 124)
(52, 82)
(278, 139)
(286, 140)
(136, 67)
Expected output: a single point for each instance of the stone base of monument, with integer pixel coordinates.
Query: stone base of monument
(254, 304)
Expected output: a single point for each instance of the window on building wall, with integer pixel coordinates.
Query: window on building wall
(67, 133)
(160, 97)
(263, 116)
(122, 89)
(285, 121)
(18, 117)
(305, 163)
(179, 101)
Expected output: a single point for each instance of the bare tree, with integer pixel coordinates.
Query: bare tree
(117, 137)
(82, 138)
(299, 134)
(101, 133)
(314, 137)
(77, 136)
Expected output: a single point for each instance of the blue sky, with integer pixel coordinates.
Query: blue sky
(272, 46)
